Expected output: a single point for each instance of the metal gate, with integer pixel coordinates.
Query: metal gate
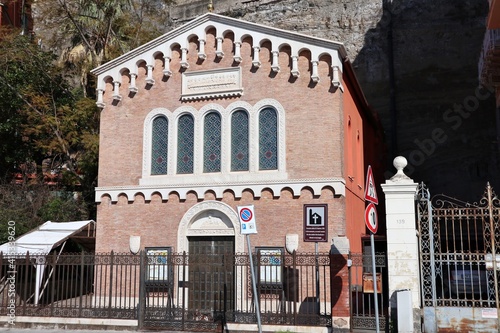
(362, 297)
(211, 277)
(459, 243)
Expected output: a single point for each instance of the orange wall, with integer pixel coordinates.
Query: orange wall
(354, 169)
(363, 147)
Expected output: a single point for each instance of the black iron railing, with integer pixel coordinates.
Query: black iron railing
(169, 290)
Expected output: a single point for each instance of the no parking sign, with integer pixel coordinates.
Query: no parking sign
(247, 219)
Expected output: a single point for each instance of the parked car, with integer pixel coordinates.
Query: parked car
(467, 280)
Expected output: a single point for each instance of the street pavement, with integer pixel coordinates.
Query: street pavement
(51, 330)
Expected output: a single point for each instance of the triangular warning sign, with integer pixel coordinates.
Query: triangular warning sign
(370, 189)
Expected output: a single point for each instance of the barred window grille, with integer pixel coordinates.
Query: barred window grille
(212, 143)
(268, 139)
(185, 145)
(239, 141)
(159, 146)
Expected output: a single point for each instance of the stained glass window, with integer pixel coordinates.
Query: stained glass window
(212, 143)
(239, 141)
(185, 145)
(268, 139)
(159, 146)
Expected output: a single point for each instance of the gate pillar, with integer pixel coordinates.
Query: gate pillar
(402, 242)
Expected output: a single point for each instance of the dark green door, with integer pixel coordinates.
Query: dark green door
(211, 275)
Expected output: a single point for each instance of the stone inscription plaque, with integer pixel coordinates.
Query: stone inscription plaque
(224, 82)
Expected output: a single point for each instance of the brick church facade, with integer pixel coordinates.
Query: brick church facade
(221, 113)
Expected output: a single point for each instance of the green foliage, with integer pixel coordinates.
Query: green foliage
(48, 124)
(51, 117)
(31, 205)
(62, 207)
(89, 33)
(44, 121)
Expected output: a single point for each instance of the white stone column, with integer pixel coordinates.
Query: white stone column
(402, 242)
(256, 61)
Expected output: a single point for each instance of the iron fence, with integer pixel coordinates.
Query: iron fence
(169, 290)
(458, 244)
(363, 292)
(84, 285)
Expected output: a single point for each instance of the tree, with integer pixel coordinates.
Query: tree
(89, 33)
(29, 205)
(49, 121)
(44, 120)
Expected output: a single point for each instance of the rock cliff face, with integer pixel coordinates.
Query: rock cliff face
(417, 64)
(416, 61)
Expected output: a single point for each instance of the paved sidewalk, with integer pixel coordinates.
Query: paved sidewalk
(40, 329)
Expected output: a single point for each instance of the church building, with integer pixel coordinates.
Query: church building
(221, 122)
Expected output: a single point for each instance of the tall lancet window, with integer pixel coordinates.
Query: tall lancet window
(239, 141)
(159, 146)
(185, 144)
(268, 139)
(212, 143)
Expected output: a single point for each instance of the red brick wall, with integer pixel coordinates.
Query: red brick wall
(339, 284)
(157, 221)
(313, 113)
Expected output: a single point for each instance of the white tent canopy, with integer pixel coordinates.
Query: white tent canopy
(47, 237)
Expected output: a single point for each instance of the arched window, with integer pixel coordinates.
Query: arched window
(159, 146)
(185, 144)
(239, 141)
(268, 139)
(212, 142)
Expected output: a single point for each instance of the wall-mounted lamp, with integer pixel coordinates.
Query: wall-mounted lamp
(135, 244)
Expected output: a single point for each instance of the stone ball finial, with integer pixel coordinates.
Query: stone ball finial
(400, 163)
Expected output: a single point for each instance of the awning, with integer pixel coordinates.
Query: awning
(45, 238)
(50, 235)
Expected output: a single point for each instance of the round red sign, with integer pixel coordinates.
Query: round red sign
(246, 214)
(371, 218)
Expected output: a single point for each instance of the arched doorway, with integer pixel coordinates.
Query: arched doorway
(209, 234)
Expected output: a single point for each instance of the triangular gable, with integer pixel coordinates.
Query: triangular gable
(198, 28)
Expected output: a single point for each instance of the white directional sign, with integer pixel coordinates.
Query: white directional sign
(370, 189)
(371, 218)
(247, 219)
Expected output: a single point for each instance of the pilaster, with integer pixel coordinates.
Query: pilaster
(402, 242)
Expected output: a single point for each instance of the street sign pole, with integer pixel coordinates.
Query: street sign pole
(248, 226)
(371, 220)
(254, 286)
(375, 291)
(317, 277)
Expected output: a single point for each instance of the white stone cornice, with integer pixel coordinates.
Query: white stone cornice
(296, 185)
(223, 21)
(197, 27)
